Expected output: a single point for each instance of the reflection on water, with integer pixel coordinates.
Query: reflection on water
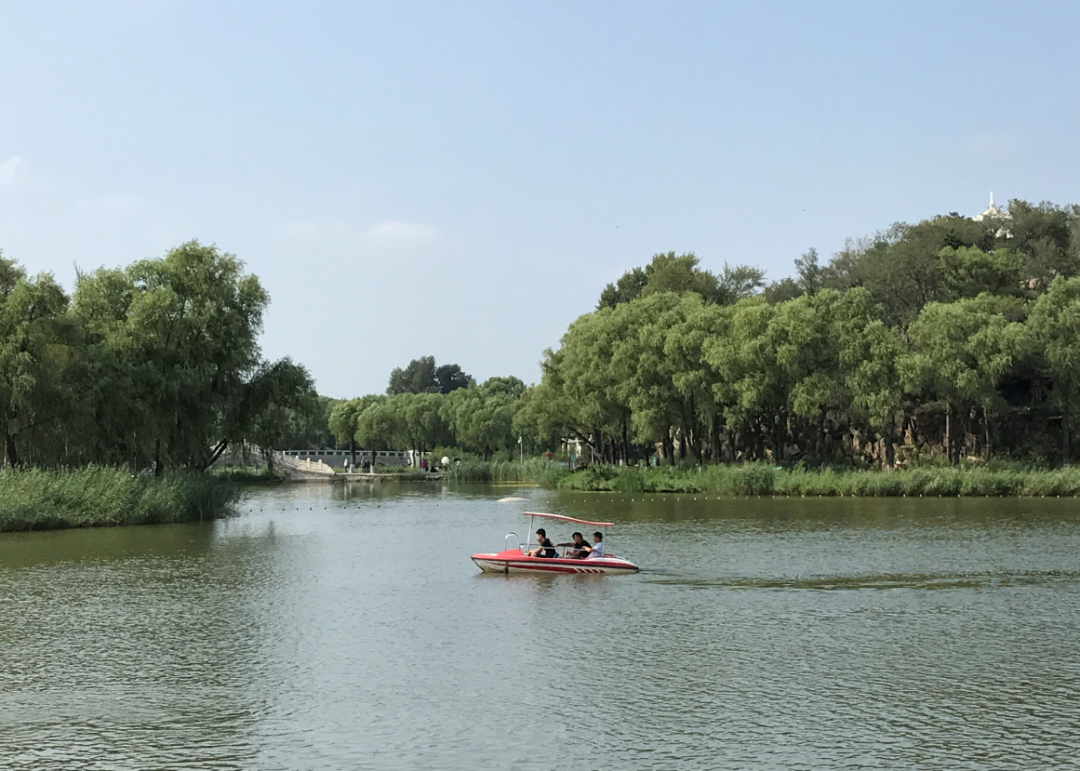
(345, 627)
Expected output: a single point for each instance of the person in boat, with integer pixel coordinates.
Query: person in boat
(545, 548)
(597, 548)
(581, 548)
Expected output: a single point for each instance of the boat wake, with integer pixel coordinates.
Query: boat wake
(921, 581)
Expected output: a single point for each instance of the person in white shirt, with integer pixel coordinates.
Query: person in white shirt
(597, 549)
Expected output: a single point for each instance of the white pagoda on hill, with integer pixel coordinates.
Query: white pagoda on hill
(993, 212)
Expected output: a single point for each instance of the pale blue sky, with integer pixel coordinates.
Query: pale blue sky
(462, 179)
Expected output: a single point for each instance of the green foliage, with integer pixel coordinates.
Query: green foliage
(968, 272)
(154, 364)
(31, 351)
(532, 470)
(417, 377)
(951, 336)
(682, 274)
(626, 480)
(422, 376)
(752, 479)
(248, 475)
(1055, 323)
(482, 417)
(760, 479)
(598, 477)
(36, 499)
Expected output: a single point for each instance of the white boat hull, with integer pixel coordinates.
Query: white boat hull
(515, 562)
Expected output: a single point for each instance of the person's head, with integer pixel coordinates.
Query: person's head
(541, 534)
(597, 537)
(578, 538)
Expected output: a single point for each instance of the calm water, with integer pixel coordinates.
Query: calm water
(324, 629)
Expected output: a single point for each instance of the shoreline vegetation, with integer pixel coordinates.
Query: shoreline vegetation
(96, 496)
(951, 338)
(38, 499)
(918, 348)
(752, 479)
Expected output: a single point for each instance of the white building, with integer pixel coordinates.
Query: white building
(993, 212)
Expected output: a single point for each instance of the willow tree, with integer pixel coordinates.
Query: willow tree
(749, 385)
(420, 420)
(697, 323)
(644, 375)
(804, 345)
(31, 309)
(869, 355)
(172, 346)
(1055, 324)
(482, 417)
(585, 385)
(959, 353)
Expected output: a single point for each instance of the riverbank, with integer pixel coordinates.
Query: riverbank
(378, 477)
(534, 470)
(761, 479)
(35, 499)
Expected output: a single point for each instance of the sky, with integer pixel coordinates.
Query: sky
(462, 179)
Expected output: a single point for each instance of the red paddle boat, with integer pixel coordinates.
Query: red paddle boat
(516, 559)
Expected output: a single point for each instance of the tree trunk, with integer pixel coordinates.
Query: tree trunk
(352, 452)
(159, 467)
(11, 450)
(948, 435)
(1065, 454)
(986, 431)
(217, 452)
(819, 445)
(714, 440)
(690, 438)
(890, 448)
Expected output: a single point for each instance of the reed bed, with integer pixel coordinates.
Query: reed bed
(761, 479)
(35, 499)
(534, 470)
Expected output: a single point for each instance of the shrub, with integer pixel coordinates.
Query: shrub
(630, 480)
(34, 499)
(753, 479)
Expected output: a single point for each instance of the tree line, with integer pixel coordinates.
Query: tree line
(152, 365)
(427, 407)
(950, 337)
(953, 337)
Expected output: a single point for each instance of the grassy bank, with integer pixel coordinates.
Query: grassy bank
(535, 470)
(760, 479)
(33, 499)
(247, 475)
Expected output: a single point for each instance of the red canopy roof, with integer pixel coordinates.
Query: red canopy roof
(569, 519)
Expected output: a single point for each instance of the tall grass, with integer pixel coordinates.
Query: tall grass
(762, 479)
(248, 475)
(34, 499)
(537, 470)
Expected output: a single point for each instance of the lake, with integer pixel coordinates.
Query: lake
(332, 628)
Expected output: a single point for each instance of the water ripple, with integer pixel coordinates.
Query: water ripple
(319, 630)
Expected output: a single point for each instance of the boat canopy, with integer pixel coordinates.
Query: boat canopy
(569, 519)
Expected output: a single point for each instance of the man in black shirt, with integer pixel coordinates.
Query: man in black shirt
(546, 548)
(580, 550)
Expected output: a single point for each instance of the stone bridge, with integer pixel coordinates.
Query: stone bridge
(288, 467)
